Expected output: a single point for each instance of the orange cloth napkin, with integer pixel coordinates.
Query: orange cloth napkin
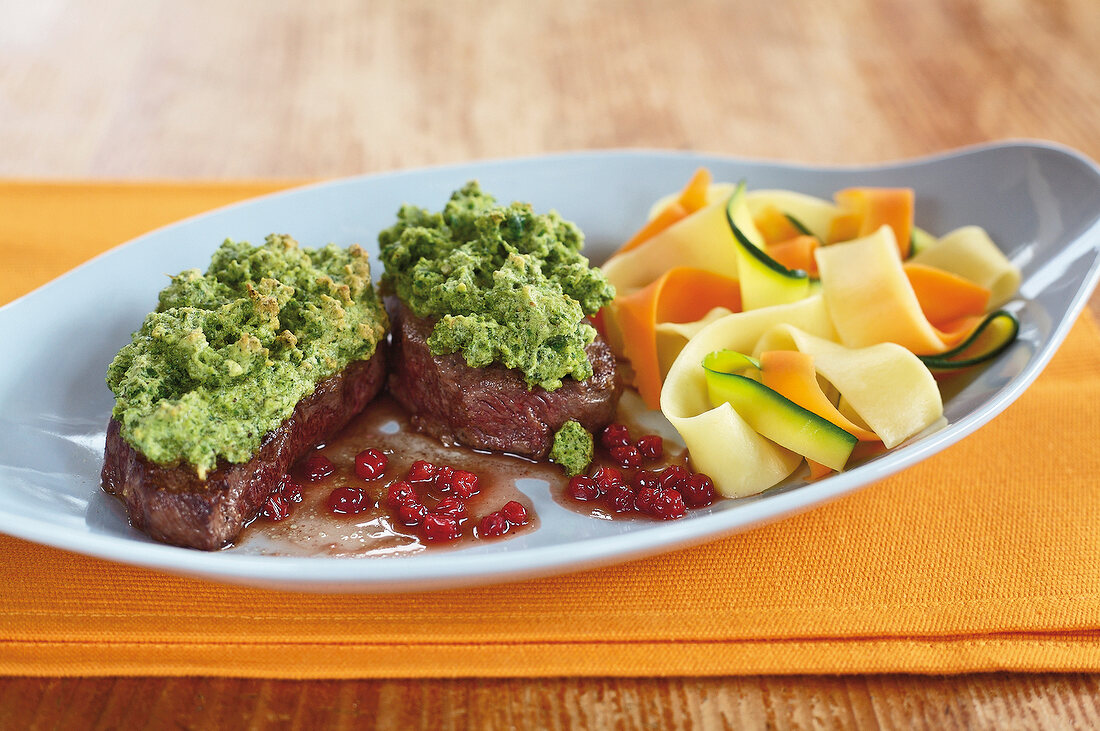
(984, 557)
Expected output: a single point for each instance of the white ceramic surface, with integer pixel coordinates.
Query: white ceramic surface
(1040, 202)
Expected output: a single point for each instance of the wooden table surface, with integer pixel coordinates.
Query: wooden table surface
(275, 88)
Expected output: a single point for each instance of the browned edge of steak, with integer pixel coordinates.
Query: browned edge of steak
(173, 505)
(491, 407)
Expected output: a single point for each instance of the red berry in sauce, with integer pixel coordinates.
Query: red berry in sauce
(398, 493)
(317, 467)
(673, 476)
(583, 488)
(627, 457)
(420, 471)
(443, 477)
(621, 499)
(439, 528)
(698, 491)
(493, 525)
(614, 435)
(453, 507)
(607, 478)
(651, 446)
(668, 505)
(646, 499)
(644, 479)
(464, 484)
(514, 512)
(290, 490)
(411, 512)
(370, 464)
(348, 501)
(275, 508)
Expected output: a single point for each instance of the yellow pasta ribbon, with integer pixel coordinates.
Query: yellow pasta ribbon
(870, 299)
(703, 240)
(969, 253)
(885, 385)
(721, 443)
(814, 213)
(716, 192)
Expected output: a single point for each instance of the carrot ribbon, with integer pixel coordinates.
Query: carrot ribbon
(683, 294)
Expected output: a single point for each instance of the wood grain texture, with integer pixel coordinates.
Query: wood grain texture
(887, 702)
(288, 89)
(278, 88)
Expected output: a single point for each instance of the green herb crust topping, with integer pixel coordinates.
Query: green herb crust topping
(505, 284)
(572, 448)
(228, 354)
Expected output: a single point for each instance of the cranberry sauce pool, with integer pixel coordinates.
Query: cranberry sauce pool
(382, 489)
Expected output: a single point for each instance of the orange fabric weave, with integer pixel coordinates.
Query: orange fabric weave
(984, 557)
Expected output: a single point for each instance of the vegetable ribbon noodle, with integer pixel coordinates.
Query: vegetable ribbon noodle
(849, 305)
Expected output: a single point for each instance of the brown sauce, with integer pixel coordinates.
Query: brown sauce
(640, 421)
(312, 529)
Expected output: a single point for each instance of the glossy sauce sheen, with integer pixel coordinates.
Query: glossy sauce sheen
(312, 529)
(640, 421)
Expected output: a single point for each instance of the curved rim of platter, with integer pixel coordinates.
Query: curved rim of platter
(1044, 264)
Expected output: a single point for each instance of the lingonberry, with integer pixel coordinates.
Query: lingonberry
(668, 505)
(317, 467)
(443, 477)
(464, 484)
(420, 471)
(439, 528)
(674, 476)
(347, 501)
(411, 512)
(275, 508)
(698, 491)
(290, 489)
(514, 512)
(627, 456)
(583, 488)
(621, 499)
(607, 478)
(453, 507)
(493, 525)
(614, 435)
(643, 479)
(370, 464)
(399, 492)
(651, 446)
(645, 499)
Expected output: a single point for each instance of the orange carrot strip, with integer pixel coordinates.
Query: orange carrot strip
(683, 294)
(796, 253)
(943, 296)
(791, 373)
(818, 470)
(954, 332)
(774, 225)
(692, 198)
(866, 450)
(844, 227)
(673, 213)
(694, 195)
(877, 206)
(954, 306)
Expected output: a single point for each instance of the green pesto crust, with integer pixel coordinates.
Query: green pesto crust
(503, 283)
(228, 354)
(572, 448)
